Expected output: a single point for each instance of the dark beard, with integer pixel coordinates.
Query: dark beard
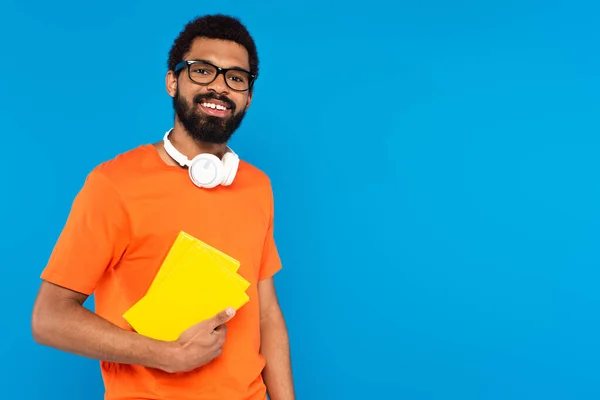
(207, 128)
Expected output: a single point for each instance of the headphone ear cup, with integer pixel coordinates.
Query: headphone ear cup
(206, 171)
(230, 166)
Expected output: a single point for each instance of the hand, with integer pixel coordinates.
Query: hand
(201, 343)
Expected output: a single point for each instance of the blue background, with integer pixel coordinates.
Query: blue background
(435, 167)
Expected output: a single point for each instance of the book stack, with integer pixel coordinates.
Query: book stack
(195, 282)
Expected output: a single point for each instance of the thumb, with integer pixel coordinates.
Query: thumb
(222, 317)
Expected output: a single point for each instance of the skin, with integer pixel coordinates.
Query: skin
(60, 320)
(224, 54)
(274, 344)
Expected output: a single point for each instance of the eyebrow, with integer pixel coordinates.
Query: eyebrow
(213, 63)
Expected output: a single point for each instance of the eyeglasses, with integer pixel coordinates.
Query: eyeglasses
(203, 73)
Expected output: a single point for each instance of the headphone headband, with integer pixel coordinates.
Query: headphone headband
(206, 170)
(177, 156)
(173, 152)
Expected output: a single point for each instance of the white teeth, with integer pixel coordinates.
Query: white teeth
(212, 105)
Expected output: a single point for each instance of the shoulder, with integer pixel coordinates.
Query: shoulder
(127, 163)
(254, 175)
(127, 167)
(102, 191)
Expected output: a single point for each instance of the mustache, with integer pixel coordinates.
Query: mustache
(199, 98)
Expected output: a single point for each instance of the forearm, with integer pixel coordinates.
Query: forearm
(275, 349)
(70, 327)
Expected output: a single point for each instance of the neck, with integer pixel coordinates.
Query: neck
(189, 147)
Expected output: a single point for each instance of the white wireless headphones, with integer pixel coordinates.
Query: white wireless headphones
(206, 170)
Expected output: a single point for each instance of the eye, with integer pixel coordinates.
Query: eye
(237, 76)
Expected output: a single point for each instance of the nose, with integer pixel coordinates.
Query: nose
(219, 85)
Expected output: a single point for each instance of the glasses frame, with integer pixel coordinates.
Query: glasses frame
(188, 63)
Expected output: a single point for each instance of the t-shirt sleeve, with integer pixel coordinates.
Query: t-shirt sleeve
(93, 239)
(271, 262)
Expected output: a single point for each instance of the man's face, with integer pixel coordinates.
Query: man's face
(198, 107)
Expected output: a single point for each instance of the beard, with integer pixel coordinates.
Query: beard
(206, 128)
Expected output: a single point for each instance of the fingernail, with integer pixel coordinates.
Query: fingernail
(230, 311)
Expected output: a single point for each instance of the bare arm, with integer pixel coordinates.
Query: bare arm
(61, 321)
(275, 346)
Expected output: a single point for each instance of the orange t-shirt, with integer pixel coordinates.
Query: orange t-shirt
(120, 228)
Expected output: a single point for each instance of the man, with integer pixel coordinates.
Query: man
(129, 212)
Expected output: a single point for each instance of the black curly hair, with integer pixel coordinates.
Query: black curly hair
(216, 26)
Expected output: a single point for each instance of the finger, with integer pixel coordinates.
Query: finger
(217, 352)
(220, 341)
(220, 330)
(222, 317)
(217, 339)
(220, 335)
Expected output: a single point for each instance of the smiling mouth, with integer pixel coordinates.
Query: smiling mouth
(215, 108)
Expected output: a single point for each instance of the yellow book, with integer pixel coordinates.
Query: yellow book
(168, 268)
(180, 246)
(195, 286)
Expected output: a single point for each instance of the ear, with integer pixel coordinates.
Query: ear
(249, 100)
(171, 83)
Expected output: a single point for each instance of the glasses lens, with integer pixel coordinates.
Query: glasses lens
(238, 80)
(202, 73)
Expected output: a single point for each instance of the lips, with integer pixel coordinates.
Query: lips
(214, 106)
